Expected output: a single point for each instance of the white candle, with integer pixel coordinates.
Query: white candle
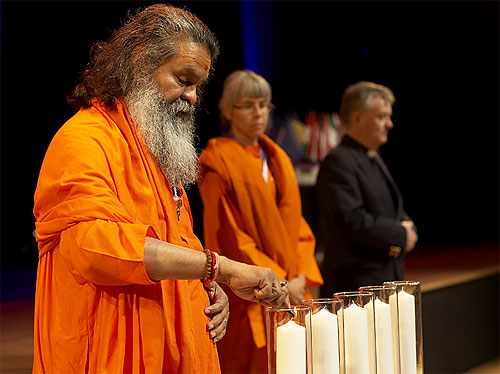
(340, 317)
(325, 343)
(393, 302)
(383, 331)
(357, 357)
(407, 333)
(371, 335)
(291, 349)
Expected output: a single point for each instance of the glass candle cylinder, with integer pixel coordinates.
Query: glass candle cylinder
(386, 328)
(410, 326)
(326, 352)
(358, 332)
(289, 340)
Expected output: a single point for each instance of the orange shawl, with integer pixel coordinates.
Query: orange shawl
(244, 222)
(99, 194)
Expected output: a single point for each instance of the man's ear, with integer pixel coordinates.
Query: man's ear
(356, 116)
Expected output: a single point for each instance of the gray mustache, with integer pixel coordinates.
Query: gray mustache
(183, 107)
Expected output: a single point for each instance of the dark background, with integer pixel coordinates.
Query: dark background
(440, 58)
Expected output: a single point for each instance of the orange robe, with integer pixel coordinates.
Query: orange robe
(250, 221)
(99, 194)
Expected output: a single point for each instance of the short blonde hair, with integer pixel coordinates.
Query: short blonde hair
(356, 97)
(240, 84)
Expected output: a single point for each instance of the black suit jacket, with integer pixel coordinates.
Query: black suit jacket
(360, 213)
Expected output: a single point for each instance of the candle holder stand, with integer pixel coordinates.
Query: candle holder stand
(289, 340)
(327, 345)
(386, 328)
(358, 332)
(410, 326)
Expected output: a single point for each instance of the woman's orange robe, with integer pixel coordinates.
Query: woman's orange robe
(99, 194)
(247, 220)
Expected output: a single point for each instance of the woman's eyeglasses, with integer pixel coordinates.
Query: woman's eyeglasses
(251, 106)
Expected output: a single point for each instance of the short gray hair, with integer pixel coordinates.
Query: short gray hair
(240, 84)
(356, 96)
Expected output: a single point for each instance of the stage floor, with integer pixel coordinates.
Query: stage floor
(16, 338)
(437, 268)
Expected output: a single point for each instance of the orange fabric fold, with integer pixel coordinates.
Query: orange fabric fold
(244, 221)
(99, 195)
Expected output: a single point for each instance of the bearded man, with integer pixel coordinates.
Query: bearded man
(118, 285)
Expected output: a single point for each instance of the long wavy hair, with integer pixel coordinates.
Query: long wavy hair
(135, 50)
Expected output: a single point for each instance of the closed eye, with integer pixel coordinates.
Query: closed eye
(182, 81)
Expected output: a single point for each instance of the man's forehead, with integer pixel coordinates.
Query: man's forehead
(377, 101)
(195, 56)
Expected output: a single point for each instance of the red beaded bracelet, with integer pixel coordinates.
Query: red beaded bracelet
(212, 267)
(216, 266)
(208, 272)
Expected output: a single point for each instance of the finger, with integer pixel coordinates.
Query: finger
(215, 308)
(215, 321)
(281, 295)
(271, 300)
(267, 290)
(270, 291)
(220, 334)
(219, 329)
(285, 289)
(275, 300)
(286, 303)
(272, 284)
(212, 290)
(283, 300)
(217, 318)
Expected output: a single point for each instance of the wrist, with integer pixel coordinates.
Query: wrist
(225, 266)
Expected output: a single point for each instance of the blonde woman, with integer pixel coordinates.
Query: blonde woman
(253, 213)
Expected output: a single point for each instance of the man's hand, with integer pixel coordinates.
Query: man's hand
(297, 288)
(220, 311)
(253, 283)
(411, 235)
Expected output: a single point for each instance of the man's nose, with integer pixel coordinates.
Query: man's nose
(189, 94)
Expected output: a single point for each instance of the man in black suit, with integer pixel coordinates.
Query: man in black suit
(364, 230)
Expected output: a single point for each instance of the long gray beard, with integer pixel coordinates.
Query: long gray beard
(168, 131)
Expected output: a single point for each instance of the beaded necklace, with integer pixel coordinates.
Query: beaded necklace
(177, 200)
